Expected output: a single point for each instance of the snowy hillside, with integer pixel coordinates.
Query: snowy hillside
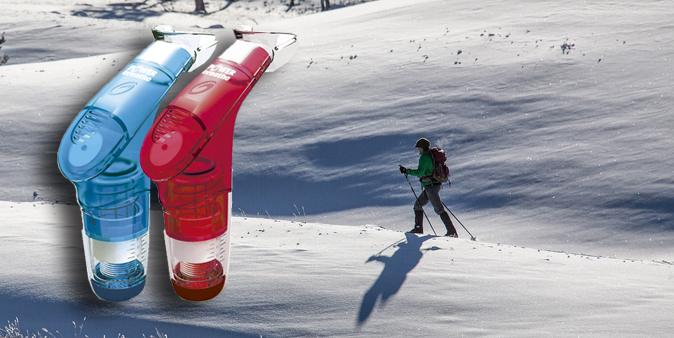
(561, 148)
(555, 115)
(296, 279)
(553, 147)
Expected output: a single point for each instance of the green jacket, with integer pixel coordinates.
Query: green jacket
(425, 169)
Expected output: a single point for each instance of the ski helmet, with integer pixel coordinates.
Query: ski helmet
(423, 144)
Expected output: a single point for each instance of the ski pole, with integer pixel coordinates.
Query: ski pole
(391, 245)
(422, 208)
(472, 238)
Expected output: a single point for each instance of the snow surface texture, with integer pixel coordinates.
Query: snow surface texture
(555, 116)
(295, 279)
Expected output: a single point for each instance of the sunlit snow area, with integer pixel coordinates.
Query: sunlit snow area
(556, 118)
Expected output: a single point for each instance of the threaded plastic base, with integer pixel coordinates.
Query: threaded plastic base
(198, 281)
(117, 295)
(118, 282)
(198, 295)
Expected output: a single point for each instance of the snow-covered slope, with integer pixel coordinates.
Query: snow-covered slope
(555, 116)
(561, 148)
(296, 279)
(554, 147)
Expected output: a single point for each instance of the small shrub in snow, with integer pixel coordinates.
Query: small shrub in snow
(4, 58)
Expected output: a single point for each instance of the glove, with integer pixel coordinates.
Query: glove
(403, 170)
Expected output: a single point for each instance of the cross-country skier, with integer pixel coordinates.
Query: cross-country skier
(430, 190)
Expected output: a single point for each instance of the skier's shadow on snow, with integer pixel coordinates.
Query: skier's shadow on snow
(396, 268)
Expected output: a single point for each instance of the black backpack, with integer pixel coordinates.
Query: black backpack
(440, 168)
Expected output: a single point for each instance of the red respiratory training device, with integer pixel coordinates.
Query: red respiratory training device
(188, 154)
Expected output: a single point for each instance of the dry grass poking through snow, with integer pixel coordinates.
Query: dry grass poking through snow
(12, 330)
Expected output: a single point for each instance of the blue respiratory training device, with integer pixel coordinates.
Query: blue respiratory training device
(100, 151)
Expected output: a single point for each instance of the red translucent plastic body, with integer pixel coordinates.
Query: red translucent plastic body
(188, 152)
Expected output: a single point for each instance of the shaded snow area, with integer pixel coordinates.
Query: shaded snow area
(556, 117)
(296, 279)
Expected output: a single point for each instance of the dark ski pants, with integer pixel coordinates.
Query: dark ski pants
(430, 193)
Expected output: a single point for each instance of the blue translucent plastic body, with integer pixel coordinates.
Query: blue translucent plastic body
(99, 153)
